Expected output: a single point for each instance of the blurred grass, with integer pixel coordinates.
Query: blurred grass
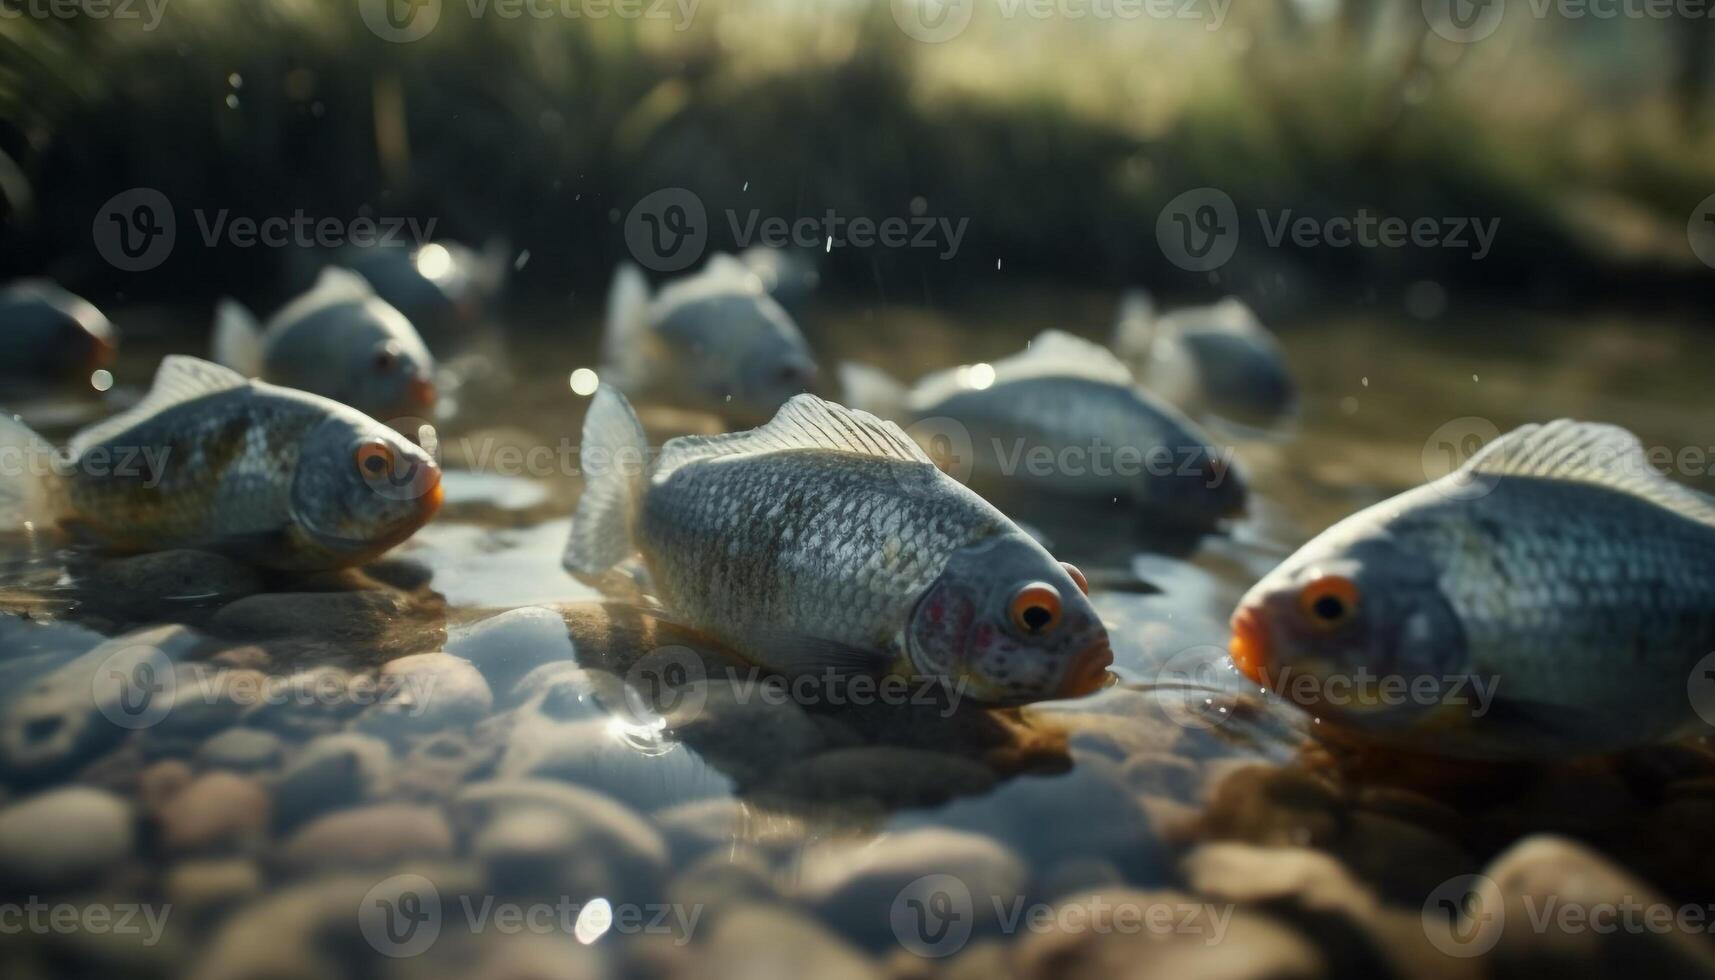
(1059, 139)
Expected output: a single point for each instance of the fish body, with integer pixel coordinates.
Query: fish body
(714, 342)
(827, 540)
(49, 333)
(1063, 416)
(338, 340)
(788, 276)
(276, 477)
(1216, 359)
(445, 288)
(1556, 570)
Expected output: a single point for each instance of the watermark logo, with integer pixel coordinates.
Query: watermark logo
(401, 916)
(667, 230)
(1198, 231)
(1464, 21)
(1463, 916)
(149, 12)
(400, 21)
(1701, 231)
(1700, 688)
(666, 682)
(948, 445)
(36, 917)
(933, 21)
(135, 687)
(933, 915)
(1192, 687)
(1449, 448)
(135, 230)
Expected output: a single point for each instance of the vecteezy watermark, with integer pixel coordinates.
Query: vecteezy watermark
(1195, 687)
(936, 915)
(143, 465)
(1469, 21)
(1464, 915)
(1201, 229)
(136, 230)
(1367, 691)
(404, 916)
(404, 21)
(1701, 231)
(149, 12)
(668, 230)
(936, 21)
(36, 917)
(1700, 689)
(1449, 450)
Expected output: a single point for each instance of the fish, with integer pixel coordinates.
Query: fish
(211, 460)
(47, 333)
(338, 340)
(790, 276)
(713, 342)
(1065, 416)
(826, 540)
(1216, 359)
(445, 288)
(1550, 597)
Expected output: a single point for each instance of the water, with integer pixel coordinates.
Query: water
(730, 793)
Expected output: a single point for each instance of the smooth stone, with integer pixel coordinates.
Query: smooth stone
(532, 957)
(437, 766)
(64, 837)
(741, 730)
(589, 839)
(85, 706)
(1402, 861)
(219, 811)
(164, 579)
(635, 766)
(161, 781)
(241, 750)
(854, 885)
(892, 777)
(330, 773)
(370, 617)
(564, 691)
(312, 701)
(206, 699)
(427, 692)
(211, 885)
(374, 835)
(722, 880)
(770, 941)
(719, 822)
(1251, 875)
(507, 647)
(1276, 806)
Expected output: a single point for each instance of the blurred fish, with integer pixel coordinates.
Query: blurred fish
(827, 541)
(46, 333)
(274, 477)
(1065, 416)
(1550, 597)
(1216, 359)
(788, 276)
(338, 340)
(444, 288)
(713, 342)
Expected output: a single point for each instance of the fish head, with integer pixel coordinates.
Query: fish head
(360, 487)
(390, 368)
(1007, 624)
(746, 356)
(1339, 625)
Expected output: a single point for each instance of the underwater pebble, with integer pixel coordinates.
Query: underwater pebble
(724, 879)
(649, 775)
(201, 886)
(1268, 805)
(368, 617)
(771, 941)
(507, 647)
(427, 692)
(218, 811)
(1248, 874)
(891, 777)
(206, 699)
(331, 772)
(241, 750)
(64, 837)
(540, 830)
(378, 834)
(694, 828)
(160, 781)
(161, 580)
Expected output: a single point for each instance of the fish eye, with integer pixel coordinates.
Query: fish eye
(1078, 578)
(1329, 602)
(1035, 608)
(385, 357)
(374, 459)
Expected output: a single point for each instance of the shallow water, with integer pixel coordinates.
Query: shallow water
(730, 796)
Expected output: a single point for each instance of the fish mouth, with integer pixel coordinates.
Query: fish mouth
(420, 393)
(1250, 645)
(434, 494)
(1088, 672)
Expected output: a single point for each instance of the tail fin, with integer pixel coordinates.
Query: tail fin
(1135, 324)
(623, 343)
(237, 338)
(872, 390)
(30, 488)
(613, 460)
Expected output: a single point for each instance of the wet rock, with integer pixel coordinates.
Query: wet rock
(884, 775)
(1080, 874)
(205, 699)
(857, 884)
(769, 941)
(162, 580)
(1165, 776)
(208, 886)
(509, 646)
(1275, 806)
(437, 766)
(1401, 860)
(219, 811)
(427, 692)
(693, 828)
(635, 766)
(84, 707)
(530, 957)
(723, 880)
(379, 834)
(332, 772)
(1579, 915)
(161, 781)
(240, 750)
(741, 728)
(1253, 875)
(242, 658)
(538, 832)
(64, 837)
(313, 701)
(374, 618)
(576, 693)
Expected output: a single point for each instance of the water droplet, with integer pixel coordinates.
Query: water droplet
(585, 382)
(101, 380)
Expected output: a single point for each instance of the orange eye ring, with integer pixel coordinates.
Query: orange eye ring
(1035, 608)
(1078, 578)
(374, 459)
(1329, 601)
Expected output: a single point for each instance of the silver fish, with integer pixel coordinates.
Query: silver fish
(444, 288)
(790, 276)
(210, 460)
(1216, 359)
(1063, 416)
(713, 342)
(1549, 597)
(48, 333)
(827, 540)
(338, 340)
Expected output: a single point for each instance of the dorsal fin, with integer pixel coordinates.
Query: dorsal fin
(1229, 316)
(1587, 452)
(1053, 354)
(334, 287)
(721, 275)
(804, 423)
(179, 379)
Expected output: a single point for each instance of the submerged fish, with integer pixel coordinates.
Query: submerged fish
(713, 342)
(1065, 416)
(1550, 597)
(789, 276)
(47, 333)
(444, 288)
(274, 477)
(1216, 359)
(827, 540)
(339, 340)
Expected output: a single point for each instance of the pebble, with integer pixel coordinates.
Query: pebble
(368, 618)
(769, 941)
(161, 781)
(536, 831)
(427, 692)
(723, 880)
(202, 886)
(885, 775)
(507, 647)
(64, 837)
(206, 698)
(330, 773)
(162, 580)
(241, 750)
(378, 834)
(632, 764)
(718, 822)
(1252, 875)
(1277, 806)
(218, 811)
(312, 701)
